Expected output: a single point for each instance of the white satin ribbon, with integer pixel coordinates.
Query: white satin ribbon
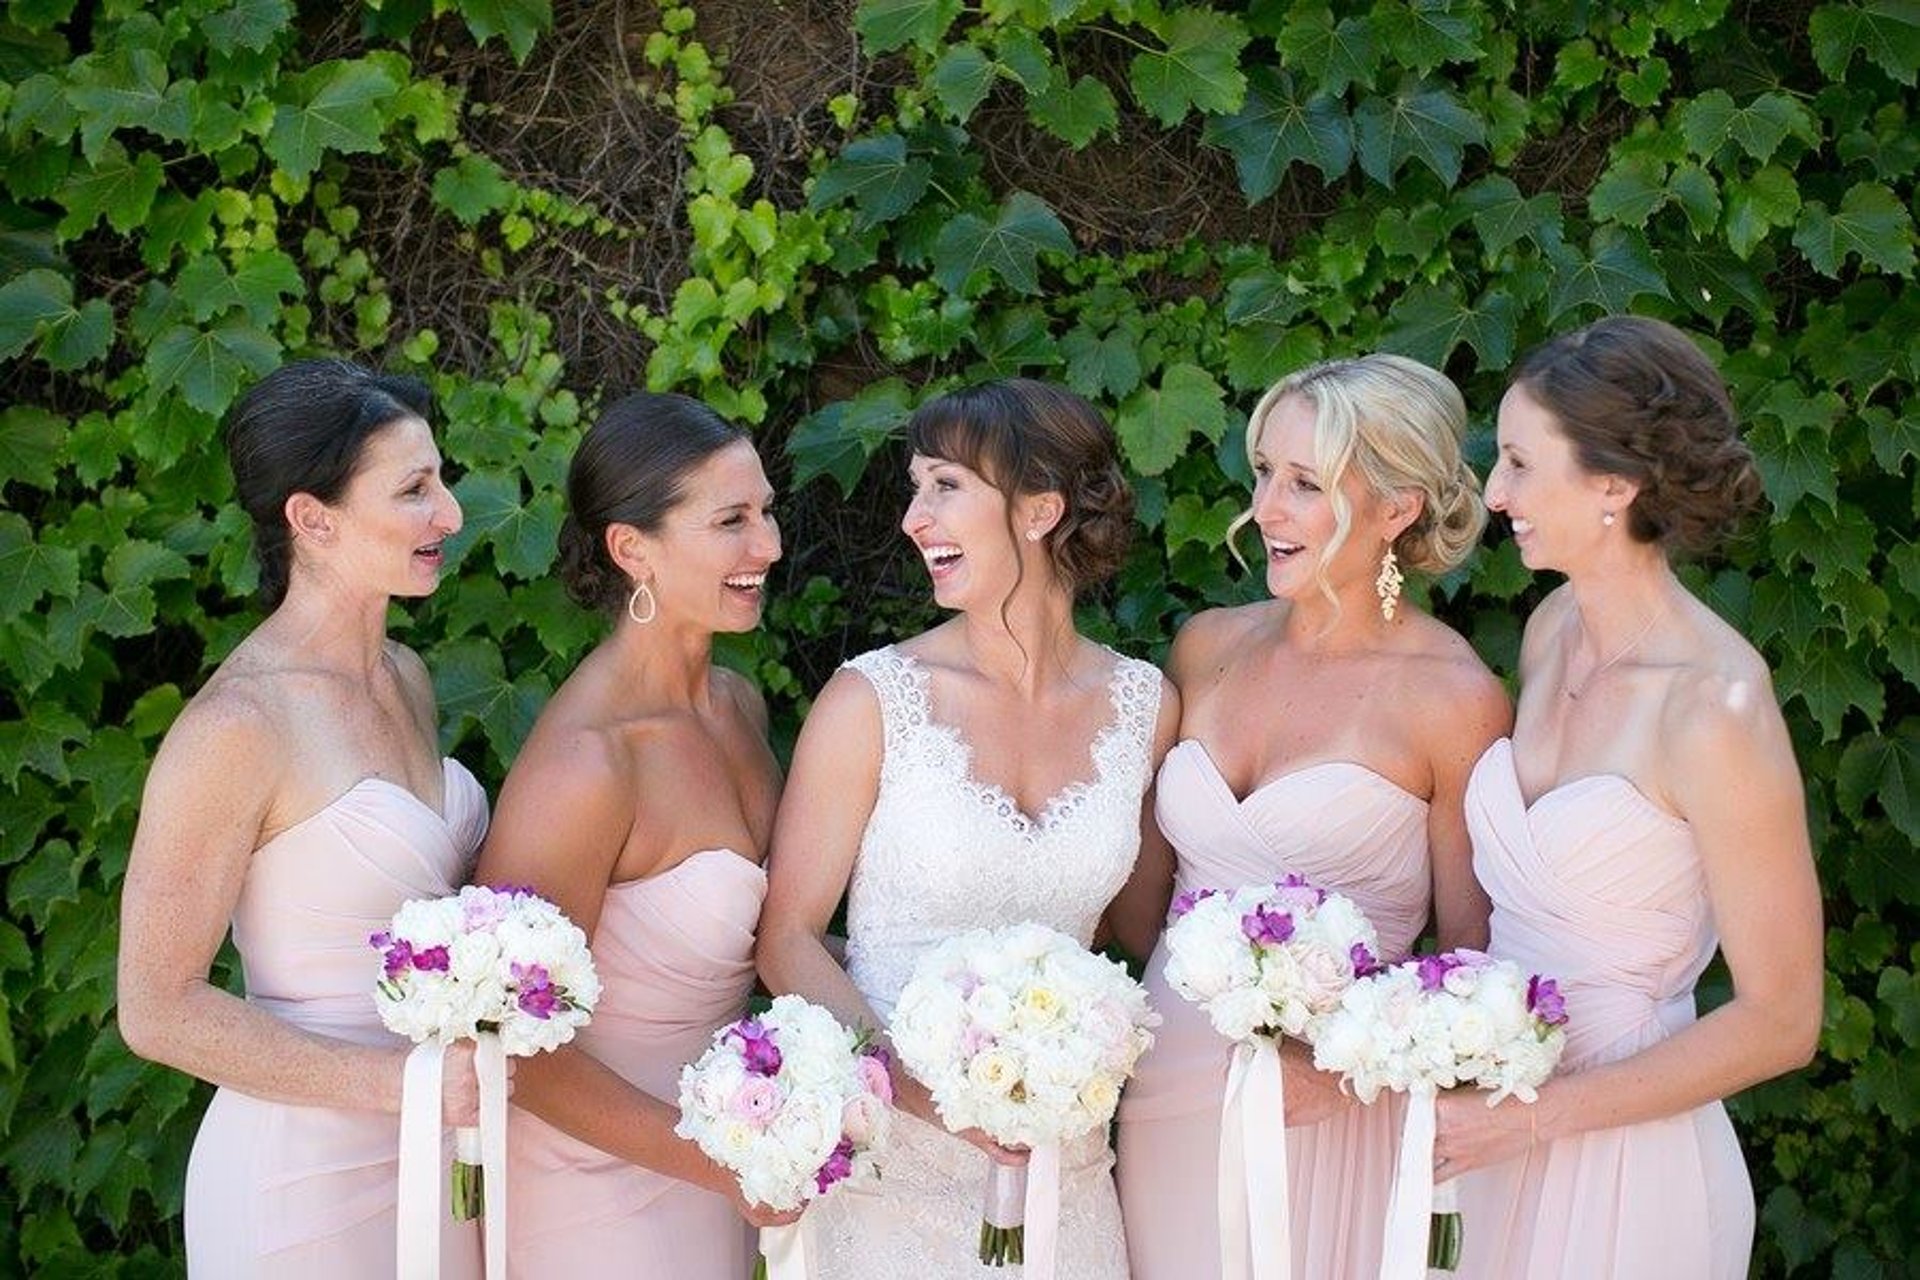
(785, 1249)
(1254, 1205)
(1410, 1209)
(423, 1172)
(1043, 1212)
(490, 1065)
(418, 1209)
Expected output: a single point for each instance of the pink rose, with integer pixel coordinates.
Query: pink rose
(875, 1079)
(755, 1101)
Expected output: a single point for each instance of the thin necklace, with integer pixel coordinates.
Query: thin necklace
(1574, 694)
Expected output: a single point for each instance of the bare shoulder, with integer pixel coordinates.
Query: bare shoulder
(1209, 639)
(744, 694)
(413, 673)
(1454, 690)
(1721, 706)
(847, 703)
(1547, 621)
(237, 719)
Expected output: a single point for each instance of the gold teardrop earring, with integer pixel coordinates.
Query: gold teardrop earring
(1387, 585)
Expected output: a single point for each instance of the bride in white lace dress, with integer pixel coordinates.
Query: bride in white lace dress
(991, 770)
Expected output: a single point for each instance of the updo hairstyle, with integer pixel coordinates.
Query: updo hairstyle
(631, 468)
(1638, 399)
(304, 429)
(1026, 437)
(1398, 424)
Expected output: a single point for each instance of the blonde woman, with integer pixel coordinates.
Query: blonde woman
(1328, 732)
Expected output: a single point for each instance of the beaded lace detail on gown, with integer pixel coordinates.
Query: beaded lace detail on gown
(945, 852)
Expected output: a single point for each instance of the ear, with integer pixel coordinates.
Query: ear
(1618, 492)
(1402, 510)
(310, 519)
(626, 547)
(1038, 513)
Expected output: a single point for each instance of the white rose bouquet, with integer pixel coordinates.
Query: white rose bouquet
(794, 1104)
(498, 966)
(1432, 1023)
(1263, 961)
(1021, 1033)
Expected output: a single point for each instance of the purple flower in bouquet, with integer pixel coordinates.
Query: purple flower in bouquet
(396, 954)
(431, 959)
(1295, 894)
(1433, 970)
(1365, 963)
(1267, 928)
(757, 1049)
(839, 1165)
(1545, 1000)
(1187, 900)
(535, 986)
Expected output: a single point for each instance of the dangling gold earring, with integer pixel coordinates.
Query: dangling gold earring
(653, 606)
(1387, 585)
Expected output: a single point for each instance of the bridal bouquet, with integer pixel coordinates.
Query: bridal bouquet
(1432, 1023)
(1021, 1033)
(500, 966)
(1263, 961)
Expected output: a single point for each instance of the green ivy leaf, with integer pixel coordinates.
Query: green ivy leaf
(518, 22)
(838, 440)
(1887, 31)
(961, 79)
(207, 366)
(1429, 321)
(1630, 191)
(1190, 520)
(257, 283)
(1012, 339)
(1330, 54)
(1023, 57)
(1076, 114)
(1897, 991)
(1420, 122)
(470, 682)
(1788, 609)
(126, 89)
(876, 172)
(1264, 296)
(1259, 355)
(885, 25)
(28, 302)
(1756, 205)
(1892, 439)
(41, 1153)
(1886, 769)
(1102, 367)
(1007, 247)
(38, 741)
(1503, 216)
(1711, 122)
(1793, 466)
(246, 24)
(336, 107)
(1872, 223)
(114, 186)
(1698, 196)
(1830, 679)
(1425, 34)
(523, 533)
(472, 188)
(1155, 423)
(1199, 69)
(32, 447)
(1618, 268)
(1279, 126)
(31, 570)
(1833, 540)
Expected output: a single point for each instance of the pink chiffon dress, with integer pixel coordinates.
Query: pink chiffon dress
(1599, 887)
(298, 1192)
(1345, 828)
(675, 957)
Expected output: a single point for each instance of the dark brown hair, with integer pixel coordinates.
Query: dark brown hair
(630, 468)
(1028, 437)
(1638, 399)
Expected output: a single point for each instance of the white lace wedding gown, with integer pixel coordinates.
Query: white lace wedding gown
(944, 853)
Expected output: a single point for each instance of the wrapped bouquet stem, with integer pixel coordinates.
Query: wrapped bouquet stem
(1263, 961)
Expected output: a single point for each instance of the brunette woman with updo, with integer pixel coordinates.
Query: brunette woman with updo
(988, 771)
(1326, 732)
(1646, 810)
(642, 804)
(301, 797)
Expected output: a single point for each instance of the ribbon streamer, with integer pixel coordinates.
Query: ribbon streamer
(785, 1249)
(1410, 1210)
(1043, 1212)
(1256, 1217)
(490, 1065)
(418, 1208)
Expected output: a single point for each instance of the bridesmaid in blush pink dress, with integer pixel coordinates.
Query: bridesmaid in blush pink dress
(301, 796)
(641, 804)
(1647, 805)
(1328, 733)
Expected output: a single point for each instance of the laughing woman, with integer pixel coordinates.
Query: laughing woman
(1647, 804)
(921, 789)
(301, 796)
(641, 804)
(1326, 732)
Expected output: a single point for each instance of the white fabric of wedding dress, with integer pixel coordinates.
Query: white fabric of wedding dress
(944, 853)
